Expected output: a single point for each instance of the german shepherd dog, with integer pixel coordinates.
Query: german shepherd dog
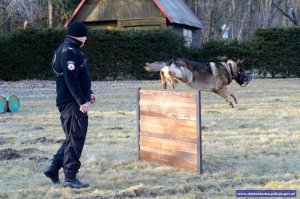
(212, 76)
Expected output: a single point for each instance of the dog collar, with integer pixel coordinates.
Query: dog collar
(229, 70)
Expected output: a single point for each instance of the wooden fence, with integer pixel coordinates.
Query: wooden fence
(169, 128)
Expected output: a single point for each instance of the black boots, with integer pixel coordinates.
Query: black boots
(51, 172)
(74, 183)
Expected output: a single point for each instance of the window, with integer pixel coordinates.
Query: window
(188, 36)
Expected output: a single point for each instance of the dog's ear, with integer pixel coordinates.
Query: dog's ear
(168, 63)
(240, 63)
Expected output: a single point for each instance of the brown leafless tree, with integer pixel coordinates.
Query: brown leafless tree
(243, 17)
(291, 15)
(32, 11)
(38, 13)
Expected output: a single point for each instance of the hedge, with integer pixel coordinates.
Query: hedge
(272, 52)
(112, 54)
(121, 54)
(276, 51)
(27, 54)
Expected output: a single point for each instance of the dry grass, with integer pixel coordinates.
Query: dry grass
(253, 146)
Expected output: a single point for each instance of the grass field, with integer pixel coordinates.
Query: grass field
(255, 145)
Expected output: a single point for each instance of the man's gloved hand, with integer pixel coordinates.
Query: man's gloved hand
(84, 108)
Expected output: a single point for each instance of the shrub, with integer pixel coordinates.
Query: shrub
(276, 51)
(112, 54)
(121, 54)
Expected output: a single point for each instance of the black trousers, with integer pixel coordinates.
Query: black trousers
(75, 125)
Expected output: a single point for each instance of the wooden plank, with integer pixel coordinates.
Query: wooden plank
(168, 104)
(168, 112)
(172, 145)
(188, 157)
(154, 21)
(165, 114)
(171, 135)
(171, 94)
(165, 125)
(163, 101)
(167, 160)
(172, 122)
(168, 96)
(120, 9)
(168, 129)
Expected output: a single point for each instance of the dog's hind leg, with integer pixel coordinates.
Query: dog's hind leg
(226, 90)
(224, 96)
(163, 79)
(233, 96)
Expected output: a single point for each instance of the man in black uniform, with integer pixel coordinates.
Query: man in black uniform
(73, 87)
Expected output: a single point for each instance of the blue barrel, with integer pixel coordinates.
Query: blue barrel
(3, 104)
(13, 103)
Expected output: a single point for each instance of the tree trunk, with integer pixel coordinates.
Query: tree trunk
(50, 14)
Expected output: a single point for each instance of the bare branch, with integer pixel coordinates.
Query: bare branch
(22, 2)
(293, 19)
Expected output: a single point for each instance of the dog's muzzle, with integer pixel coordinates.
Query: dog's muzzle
(243, 79)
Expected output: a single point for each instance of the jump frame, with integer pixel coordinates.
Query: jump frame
(169, 128)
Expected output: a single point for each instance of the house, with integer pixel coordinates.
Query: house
(140, 14)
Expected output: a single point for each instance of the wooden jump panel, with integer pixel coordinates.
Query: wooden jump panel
(169, 112)
(167, 160)
(169, 128)
(168, 144)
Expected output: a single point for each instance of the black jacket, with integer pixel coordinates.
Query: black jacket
(73, 81)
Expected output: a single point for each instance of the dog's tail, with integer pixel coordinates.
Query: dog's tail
(155, 66)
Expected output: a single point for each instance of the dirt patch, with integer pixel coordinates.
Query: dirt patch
(29, 151)
(60, 141)
(38, 140)
(44, 140)
(178, 190)
(136, 191)
(38, 128)
(9, 154)
(214, 112)
(244, 126)
(114, 128)
(204, 128)
(2, 140)
(38, 158)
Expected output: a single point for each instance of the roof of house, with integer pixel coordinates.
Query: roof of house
(178, 12)
(175, 11)
(74, 13)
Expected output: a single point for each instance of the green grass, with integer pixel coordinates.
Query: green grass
(255, 145)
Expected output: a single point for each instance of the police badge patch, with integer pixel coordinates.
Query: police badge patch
(71, 65)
